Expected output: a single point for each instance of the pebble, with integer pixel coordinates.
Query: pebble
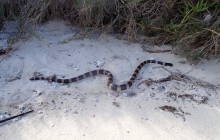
(40, 112)
(109, 94)
(21, 107)
(4, 116)
(55, 85)
(37, 93)
(68, 65)
(75, 112)
(125, 94)
(129, 94)
(75, 98)
(65, 110)
(152, 95)
(76, 69)
(161, 88)
(207, 17)
(53, 101)
(167, 101)
(15, 119)
(96, 100)
(144, 118)
(82, 100)
(98, 63)
(115, 94)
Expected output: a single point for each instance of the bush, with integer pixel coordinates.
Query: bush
(192, 25)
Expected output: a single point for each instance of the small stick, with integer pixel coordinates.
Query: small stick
(181, 77)
(22, 114)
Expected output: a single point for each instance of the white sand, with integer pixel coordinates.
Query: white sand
(85, 110)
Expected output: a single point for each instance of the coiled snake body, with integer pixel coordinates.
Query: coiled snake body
(105, 72)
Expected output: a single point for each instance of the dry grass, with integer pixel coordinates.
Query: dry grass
(192, 25)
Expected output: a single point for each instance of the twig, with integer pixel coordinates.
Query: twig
(183, 77)
(179, 77)
(213, 31)
(22, 114)
(175, 111)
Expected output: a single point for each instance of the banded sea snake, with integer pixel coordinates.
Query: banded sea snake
(105, 72)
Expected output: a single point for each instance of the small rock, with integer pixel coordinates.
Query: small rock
(68, 65)
(65, 110)
(37, 93)
(144, 118)
(21, 107)
(53, 101)
(152, 95)
(161, 88)
(96, 100)
(207, 17)
(129, 94)
(15, 119)
(98, 63)
(82, 100)
(125, 94)
(55, 85)
(132, 94)
(39, 102)
(75, 98)
(109, 94)
(40, 112)
(116, 104)
(4, 116)
(76, 69)
(75, 112)
(167, 101)
(115, 94)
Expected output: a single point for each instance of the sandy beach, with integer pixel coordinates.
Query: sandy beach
(185, 106)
